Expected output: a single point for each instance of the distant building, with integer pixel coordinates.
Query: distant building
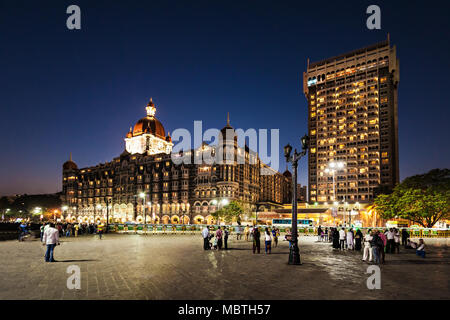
(143, 184)
(302, 194)
(353, 118)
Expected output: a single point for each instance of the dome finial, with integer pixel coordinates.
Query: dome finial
(70, 157)
(228, 118)
(151, 109)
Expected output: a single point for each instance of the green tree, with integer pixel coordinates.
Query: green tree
(230, 212)
(423, 199)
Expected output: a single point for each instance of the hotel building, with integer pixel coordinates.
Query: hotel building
(143, 184)
(353, 121)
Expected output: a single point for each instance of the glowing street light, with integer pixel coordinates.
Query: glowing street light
(334, 166)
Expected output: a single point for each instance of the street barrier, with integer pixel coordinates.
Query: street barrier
(196, 229)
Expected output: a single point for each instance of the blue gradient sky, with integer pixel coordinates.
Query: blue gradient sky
(79, 91)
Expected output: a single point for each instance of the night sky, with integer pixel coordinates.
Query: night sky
(79, 91)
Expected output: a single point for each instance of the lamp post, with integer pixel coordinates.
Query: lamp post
(107, 201)
(294, 253)
(142, 195)
(332, 168)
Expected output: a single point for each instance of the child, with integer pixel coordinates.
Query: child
(215, 244)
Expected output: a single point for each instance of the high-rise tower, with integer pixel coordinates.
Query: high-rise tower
(353, 122)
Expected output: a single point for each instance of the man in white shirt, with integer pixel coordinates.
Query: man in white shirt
(50, 239)
(367, 248)
(205, 235)
(342, 238)
(390, 241)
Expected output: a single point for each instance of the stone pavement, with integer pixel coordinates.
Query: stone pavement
(176, 267)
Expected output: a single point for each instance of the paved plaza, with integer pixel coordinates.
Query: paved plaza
(176, 267)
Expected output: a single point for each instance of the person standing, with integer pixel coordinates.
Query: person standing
(256, 239)
(350, 239)
(225, 238)
(219, 235)
(42, 230)
(205, 235)
(267, 241)
(405, 237)
(68, 229)
(358, 239)
(22, 230)
(50, 239)
(325, 234)
(382, 246)
(368, 253)
(390, 241)
(374, 243)
(335, 239)
(275, 236)
(246, 231)
(342, 239)
(319, 233)
(77, 226)
(237, 229)
(396, 241)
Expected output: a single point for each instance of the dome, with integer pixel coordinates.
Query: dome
(70, 165)
(149, 124)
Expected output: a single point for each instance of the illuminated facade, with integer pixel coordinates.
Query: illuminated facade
(144, 184)
(352, 118)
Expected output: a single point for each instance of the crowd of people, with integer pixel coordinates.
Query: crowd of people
(374, 244)
(252, 234)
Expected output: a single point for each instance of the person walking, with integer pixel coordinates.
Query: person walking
(342, 239)
(350, 239)
(256, 239)
(358, 239)
(225, 237)
(100, 230)
(275, 236)
(50, 239)
(368, 253)
(205, 235)
(219, 235)
(267, 241)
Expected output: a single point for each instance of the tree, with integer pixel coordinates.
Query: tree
(230, 212)
(423, 199)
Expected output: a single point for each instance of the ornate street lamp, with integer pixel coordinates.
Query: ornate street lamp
(294, 253)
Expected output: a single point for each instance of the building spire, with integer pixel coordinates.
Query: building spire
(228, 118)
(70, 157)
(151, 109)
